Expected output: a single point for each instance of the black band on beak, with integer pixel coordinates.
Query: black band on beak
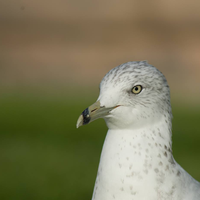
(86, 116)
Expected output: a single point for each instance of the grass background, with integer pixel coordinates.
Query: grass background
(43, 155)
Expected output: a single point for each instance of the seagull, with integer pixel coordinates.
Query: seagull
(136, 160)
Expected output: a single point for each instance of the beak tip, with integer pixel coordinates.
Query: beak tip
(79, 121)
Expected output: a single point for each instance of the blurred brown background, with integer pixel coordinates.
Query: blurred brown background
(59, 43)
(53, 55)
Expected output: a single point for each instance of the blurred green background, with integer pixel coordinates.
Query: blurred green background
(53, 56)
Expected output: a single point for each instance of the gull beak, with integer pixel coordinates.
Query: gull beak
(92, 113)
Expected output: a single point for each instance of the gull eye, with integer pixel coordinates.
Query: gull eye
(136, 89)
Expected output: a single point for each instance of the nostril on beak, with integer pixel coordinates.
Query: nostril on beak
(93, 110)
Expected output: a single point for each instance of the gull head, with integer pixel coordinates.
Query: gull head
(132, 95)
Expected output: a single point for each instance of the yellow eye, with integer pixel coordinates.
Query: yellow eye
(136, 89)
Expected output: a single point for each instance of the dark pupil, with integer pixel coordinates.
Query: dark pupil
(136, 88)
